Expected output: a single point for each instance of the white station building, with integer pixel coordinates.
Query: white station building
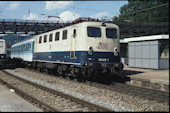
(146, 52)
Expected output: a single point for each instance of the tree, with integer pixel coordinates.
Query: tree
(144, 11)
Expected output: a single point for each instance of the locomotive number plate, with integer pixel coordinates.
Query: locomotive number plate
(103, 59)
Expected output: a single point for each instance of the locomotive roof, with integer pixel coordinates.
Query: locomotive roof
(97, 23)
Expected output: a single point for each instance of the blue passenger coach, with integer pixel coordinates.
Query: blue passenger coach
(23, 50)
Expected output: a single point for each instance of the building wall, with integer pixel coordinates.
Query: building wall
(144, 54)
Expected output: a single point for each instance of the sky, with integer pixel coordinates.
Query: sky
(66, 10)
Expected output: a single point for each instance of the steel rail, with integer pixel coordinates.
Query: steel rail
(142, 92)
(89, 104)
(124, 88)
(41, 104)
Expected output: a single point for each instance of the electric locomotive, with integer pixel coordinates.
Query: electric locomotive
(85, 50)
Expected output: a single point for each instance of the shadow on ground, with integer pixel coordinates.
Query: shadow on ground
(129, 72)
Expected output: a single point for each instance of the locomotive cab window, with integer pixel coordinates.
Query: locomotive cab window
(94, 32)
(64, 34)
(111, 33)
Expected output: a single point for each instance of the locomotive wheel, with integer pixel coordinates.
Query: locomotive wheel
(79, 78)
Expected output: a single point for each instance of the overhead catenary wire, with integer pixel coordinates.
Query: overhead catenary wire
(4, 7)
(145, 9)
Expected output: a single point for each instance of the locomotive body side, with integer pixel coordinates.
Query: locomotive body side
(64, 47)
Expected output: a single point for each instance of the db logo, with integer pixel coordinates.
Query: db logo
(102, 45)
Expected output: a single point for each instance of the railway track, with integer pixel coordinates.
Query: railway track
(16, 83)
(150, 94)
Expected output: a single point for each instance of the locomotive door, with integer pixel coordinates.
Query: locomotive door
(73, 43)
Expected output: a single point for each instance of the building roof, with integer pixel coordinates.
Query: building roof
(123, 41)
(145, 38)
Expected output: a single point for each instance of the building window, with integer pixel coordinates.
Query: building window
(45, 38)
(64, 34)
(57, 35)
(51, 37)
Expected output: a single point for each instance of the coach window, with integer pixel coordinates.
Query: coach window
(51, 37)
(40, 38)
(45, 38)
(29, 47)
(64, 34)
(24, 47)
(111, 33)
(57, 35)
(94, 32)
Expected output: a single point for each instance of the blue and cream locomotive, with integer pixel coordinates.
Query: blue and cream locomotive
(84, 50)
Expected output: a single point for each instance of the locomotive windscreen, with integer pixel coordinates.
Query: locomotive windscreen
(111, 33)
(94, 32)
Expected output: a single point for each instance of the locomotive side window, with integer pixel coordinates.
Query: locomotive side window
(111, 33)
(51, 37)
(24, 47)
(45, 38)
(57, 35)
(94, 32)
(40, 38)
(64, 34)
(74, 33)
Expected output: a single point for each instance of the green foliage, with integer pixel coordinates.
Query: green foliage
(164, 49)
(144, 11)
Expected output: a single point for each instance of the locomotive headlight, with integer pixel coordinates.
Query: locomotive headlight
(90, 51)
(116, 51)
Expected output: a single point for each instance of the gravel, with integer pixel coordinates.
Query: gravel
(110, 99)
(54, 100)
